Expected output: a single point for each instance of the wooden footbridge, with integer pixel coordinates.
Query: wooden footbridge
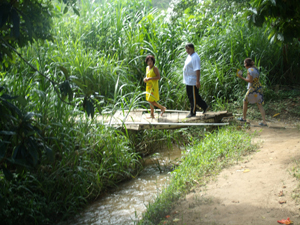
(138, 119)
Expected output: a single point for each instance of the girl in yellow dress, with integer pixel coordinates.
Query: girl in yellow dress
(152, 90)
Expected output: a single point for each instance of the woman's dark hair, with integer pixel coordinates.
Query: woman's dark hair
(150, 57)
(249, 62)
(189, 45)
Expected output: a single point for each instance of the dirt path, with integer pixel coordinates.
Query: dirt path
(248, 193)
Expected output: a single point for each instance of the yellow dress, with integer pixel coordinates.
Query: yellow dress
(152, 91)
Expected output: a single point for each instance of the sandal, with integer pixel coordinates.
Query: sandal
(262, 124)
(241, 119)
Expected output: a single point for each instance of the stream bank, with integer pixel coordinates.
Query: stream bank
(126, 203)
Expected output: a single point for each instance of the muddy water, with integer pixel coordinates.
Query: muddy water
(126, 204)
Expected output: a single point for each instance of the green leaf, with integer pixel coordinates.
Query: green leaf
(280, 37)
(66, 9)
(58, 7)
(70, 94)
(89, 107)
(9, 133)
(76, 11)
(29, 116)
(65, 71)
(15, 153)
(19, 162)
(8, 175)
(253, 10)
(8, 97)
(259, 20)
(22, 101)
(65, 88)
(273, 2)
(271, 34)
(49, 153)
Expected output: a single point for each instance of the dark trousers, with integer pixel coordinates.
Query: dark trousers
(195, 99)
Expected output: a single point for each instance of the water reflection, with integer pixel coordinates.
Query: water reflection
(127, 203)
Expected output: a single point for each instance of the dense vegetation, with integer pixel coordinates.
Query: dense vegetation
(52, 159)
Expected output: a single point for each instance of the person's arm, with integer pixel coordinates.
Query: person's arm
(248, 79)
(198, 79)
(145, 79)
(157, 77)
(196, 67)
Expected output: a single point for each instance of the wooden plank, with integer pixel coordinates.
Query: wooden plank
(128, 127)
(161, 127)
(156, 110)
(134, 117)
(182, 116)
(120, 116)
(170, 124)
(168, 118)
(164, 126)
(177, 125)
(174, 117)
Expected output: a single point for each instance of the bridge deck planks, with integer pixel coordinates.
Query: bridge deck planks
(137, 119)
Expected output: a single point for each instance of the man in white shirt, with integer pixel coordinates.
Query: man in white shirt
(191, 78)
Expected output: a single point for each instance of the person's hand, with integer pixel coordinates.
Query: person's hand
(198, 84)
(145, 79)
(240, 73)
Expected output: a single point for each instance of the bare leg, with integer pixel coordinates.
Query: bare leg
(262, 112)
(245, 107)
(152, 111)
(162, 108)
(162, 111)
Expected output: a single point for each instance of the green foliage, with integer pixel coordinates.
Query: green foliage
(283, 93)
(88, 160)
(21, 142)
(282, 18)
(22, 22)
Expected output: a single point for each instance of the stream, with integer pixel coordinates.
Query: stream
(125, 204)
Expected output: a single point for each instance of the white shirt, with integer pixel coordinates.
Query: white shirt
(191, 65)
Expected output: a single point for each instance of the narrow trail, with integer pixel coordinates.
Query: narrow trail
(249, 192)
